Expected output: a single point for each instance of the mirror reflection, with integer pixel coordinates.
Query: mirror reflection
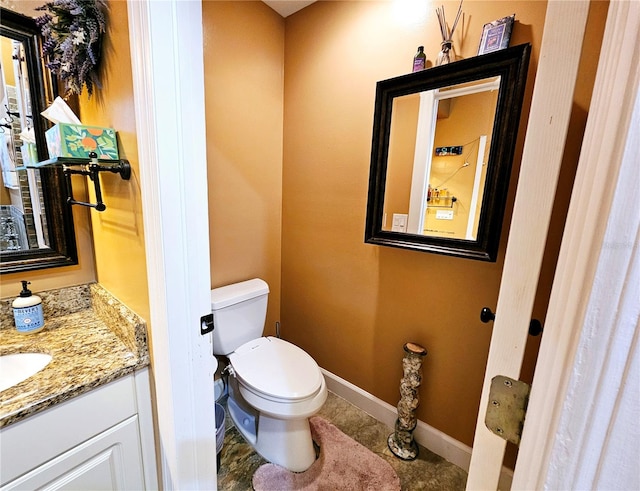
(442, 151)
(36, 222)
(438, 154)
(22, 210)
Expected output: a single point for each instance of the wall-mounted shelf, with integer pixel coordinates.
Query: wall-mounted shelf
(447, 202)
(91, 167)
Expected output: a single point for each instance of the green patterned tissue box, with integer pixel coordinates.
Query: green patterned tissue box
(76, 140)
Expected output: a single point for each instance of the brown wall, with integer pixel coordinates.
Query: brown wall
(402, 145)
(118, 234)
(352, 305)
(243, 68)
(6, 50)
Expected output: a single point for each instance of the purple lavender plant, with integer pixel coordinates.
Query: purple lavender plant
(73, 31)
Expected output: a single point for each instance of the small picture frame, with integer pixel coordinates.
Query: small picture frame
(496, 35)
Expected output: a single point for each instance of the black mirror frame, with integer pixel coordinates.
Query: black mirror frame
(511, 65)
(43, 89)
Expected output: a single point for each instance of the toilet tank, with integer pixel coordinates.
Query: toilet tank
(239, 311)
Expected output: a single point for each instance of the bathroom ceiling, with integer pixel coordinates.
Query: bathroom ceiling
(288, 7)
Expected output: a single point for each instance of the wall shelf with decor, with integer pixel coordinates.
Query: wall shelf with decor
(91, 167)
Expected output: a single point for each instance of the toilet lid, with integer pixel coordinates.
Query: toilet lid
(276, 368)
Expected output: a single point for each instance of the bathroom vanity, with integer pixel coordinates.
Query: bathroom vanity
(85, 419)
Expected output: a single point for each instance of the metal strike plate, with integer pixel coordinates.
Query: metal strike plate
(507, 407)
(206, 324)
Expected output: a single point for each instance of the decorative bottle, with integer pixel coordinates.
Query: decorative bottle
(419, 60)
(446, 55)
(27, 311)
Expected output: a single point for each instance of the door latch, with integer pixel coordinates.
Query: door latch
(535, 326)
(206, 324)
(507, 407)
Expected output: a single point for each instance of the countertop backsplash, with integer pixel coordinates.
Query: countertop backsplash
(125, 323)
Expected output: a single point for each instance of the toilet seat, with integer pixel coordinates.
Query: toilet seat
(276, 370)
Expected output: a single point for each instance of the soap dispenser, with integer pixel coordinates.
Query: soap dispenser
(27, 311)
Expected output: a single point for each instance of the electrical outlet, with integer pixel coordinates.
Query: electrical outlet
(444, 215)
(399, 222)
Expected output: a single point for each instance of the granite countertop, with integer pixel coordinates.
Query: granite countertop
(92, 337)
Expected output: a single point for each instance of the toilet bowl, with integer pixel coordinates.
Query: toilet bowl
(274, 386)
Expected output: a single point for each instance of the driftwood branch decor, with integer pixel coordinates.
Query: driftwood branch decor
(401, 442)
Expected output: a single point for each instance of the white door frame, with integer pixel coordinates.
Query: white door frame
(167, 60)
(426, 125)
(581, 374)
(551, 107)
(472, 231)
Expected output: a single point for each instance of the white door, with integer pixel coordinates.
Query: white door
(581, 429)
(167, 61)
(548, 121)
(606, 134)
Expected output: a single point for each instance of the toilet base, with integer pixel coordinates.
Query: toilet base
(286, 443)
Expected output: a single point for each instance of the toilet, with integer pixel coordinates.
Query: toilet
(274, 386)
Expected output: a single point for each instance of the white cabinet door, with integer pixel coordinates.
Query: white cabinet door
(41, 437)
(108, 461)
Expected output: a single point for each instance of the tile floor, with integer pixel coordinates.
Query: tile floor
(238, 461)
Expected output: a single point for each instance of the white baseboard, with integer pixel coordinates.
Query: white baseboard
(435, 440)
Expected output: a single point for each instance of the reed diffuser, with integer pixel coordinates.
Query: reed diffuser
(446, 47)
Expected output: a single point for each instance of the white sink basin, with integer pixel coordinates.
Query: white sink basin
(20, 366)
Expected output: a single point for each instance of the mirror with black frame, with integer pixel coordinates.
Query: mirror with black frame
(36, 223)
(442, 151)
